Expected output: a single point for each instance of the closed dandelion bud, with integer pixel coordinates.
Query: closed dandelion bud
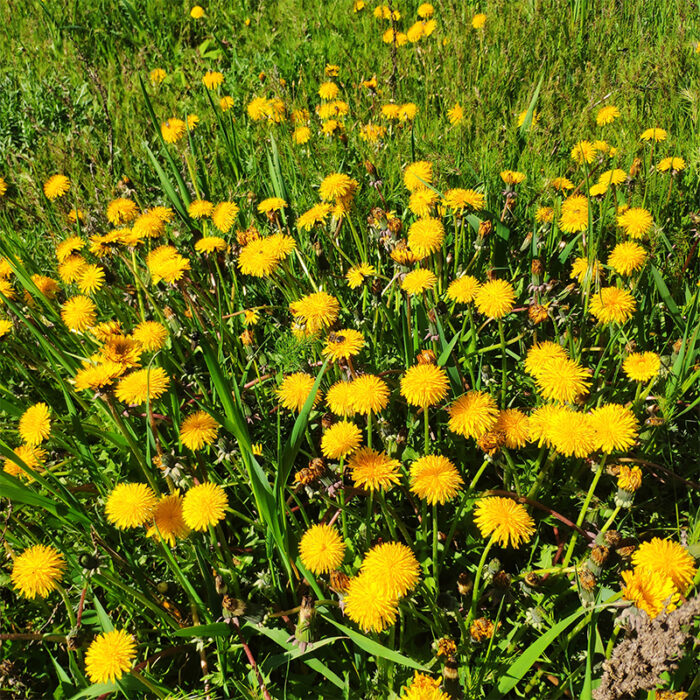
(629, 478)
(395, 226)
(317, 466)
(626, 552)
(401, 436)
(481, 629)
(304, 477)
(89, 561)
(339, 582)
(327, 420)
(536, 266)
(532, 579)
(446, 647)
(303, 632)
(491, 441)
(376, 286)
(318, 249)
(502, 580)
(464, 584)
(219, 584)
(426, 357)
(587, 580)
(370, 168)
(232, 607)
(537, 313)
(485, 228)
(636, 167)
(613, 538)
(247, 337)
(600, 554)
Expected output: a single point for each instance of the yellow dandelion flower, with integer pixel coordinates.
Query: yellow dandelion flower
(200, 208)
(607, 115)
(505, 520)
(197, 12)
(425, 236)
(168, 519)
(435, 479)
(79, 313)
(516, 427)
(258, 258)
(583, 151)
(544, 215)
(512, 177)
(316, 215)
(629, 479)
(635, 222)
(654, 134)
(157, 76)
(368, 394)
(339, 399)
(340, 440)
(173, 129)
(321, 549)
(35, 424)
(91, 279)
(130, 505)
(315, 311)
(418, 175)
(109, 656)
(5, 327)
(641, 366)
(204, 505)
(612, 305)
(650, 591)
(393, 566)
(150, 335)
(67, 247)
(212, 79)
(210, 244)
(143, 385)
(459, 199)
(473, 414)
(463, 290)
(343, 344)
(37, 571)
(580, 269)
(672, 164)
(418, 281)
(423, 687)
(301, 135)
(224, 215)
(571, 433)
(562, 379)
(373, 470)
(120, 211)
(574, 214)
(615, 427)
(357, 273)
(479, 20)
(197, 430)
(455, 115)
(71, 268)
(295, 389)
(424, 385)
(666, 558)
(56, 186)
(368, 605)
(422, 201)
(166, 264)
(495, 298)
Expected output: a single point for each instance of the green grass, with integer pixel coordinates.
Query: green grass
(75, 98)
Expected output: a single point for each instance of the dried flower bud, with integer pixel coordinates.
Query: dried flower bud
(532, 579)
(600, 554)
(339, 581)
(587, 580)
(538, 313)
(327, 420)
(485, 228)
(501, 579)
(426, 357)
(446, 646)
(370, 168)
(481, 629)
(536, 266)
(395, 226)
(492, 441)
(464, 584)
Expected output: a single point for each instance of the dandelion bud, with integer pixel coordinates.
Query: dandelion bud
(612, 538)
(395, 226)
(501, 580)
(426, 357)
(464, 584)
(339, 582)
(537, 266)
(232, 607)
(587, 580)
(303, 632)
(481, 629)
(446, 647)
(485, 228)
(537, 313)
(600, 554)
(370, 168)
(532, 579)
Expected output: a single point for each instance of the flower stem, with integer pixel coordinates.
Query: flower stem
(504, 362)
(436, 563)
(477, 580)
(426, 424)
(369, 429)
(609, 521)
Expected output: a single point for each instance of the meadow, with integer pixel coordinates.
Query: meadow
(350, 349)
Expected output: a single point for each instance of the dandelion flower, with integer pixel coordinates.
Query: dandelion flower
(368, 394)
(495, 298)
(373, 470)
(504, 519)
(541, 354)
(455, 115)
(418, 175)
(197, 430)
(340, 439)
(629, 478)
(463, 290)
(673, 164)
(172, 130)
(574, 214)
(109, 656)
(357, 273)
(258, 258)
(271, 204)
(512, 177)
(197, 12)
(200, 208)
(71, 268)
(56, 186)
(459, 199)
(423, 687)
(343, 344)
(666, 558)
(321, 549)
(615, 427)
(473, 414)
(612, 305)
(212, 79)
(627, 257)
(35, 424)
(650, 591)
(393, 566)
(581, 268)
(571, 433)
(607, 115)
(150, 335)
(91, 279)
(583, 151)
(315, 311)
(339, 399)
(479, 20)
(79, 313)
(166, 264)
(425, 236)
(295, 389)
(336, 186)
(224, 215)
(37, 571)
(516, 427)
(562, 379)
(130, 505)
(204, 505)
(424, 385)
(418, 281)
(641, 366)
(168, 519)
(316, 215)
(435, 479)
(5, 327)
(654, 134)
(368, 605)
(635, 222)
(120, 211)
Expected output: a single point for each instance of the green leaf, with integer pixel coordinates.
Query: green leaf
(216, 629)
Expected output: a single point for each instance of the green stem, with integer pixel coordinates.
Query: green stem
(584, 511)
(609, 521)
(504, 362)
(369, 429)
(436, 563)
(477, 580)
(426, 424)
